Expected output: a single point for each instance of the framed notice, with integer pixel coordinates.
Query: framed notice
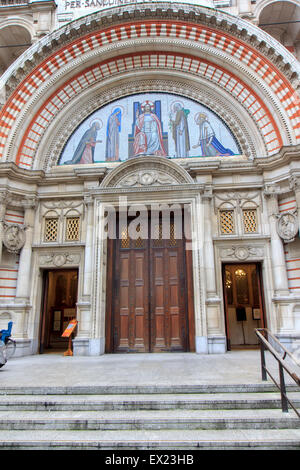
(56, 320)
(256, 313)
(69, 329)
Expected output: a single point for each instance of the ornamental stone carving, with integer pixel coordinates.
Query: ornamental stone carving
(13, 238)
(242, 252)
(59, 259)
(146, 171)
(287, 226)
(147, 178)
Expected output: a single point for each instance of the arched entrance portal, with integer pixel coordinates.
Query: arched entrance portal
(149, 291)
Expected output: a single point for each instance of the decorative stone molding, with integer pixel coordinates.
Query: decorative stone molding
(13, 237)
(147, 178)
(236, 198)
(242, 252)
(59, 259)
(288, 226)
(61, 207)
(146, 171)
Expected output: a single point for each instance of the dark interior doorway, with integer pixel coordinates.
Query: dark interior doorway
(58, 308)
(244, 306)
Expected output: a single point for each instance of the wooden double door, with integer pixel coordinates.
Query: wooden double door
(148, 306)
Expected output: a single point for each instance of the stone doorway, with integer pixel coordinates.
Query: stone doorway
(59, 307)
(244, 306)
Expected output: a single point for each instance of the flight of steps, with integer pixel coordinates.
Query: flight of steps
(198, 417)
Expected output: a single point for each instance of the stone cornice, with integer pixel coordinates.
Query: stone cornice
(219, 20)
(285, 156)
(194, 167)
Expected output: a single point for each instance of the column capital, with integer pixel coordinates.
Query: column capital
(29, 202)
(271, 190)
(294, 183)
(88, 200)
(207, 194)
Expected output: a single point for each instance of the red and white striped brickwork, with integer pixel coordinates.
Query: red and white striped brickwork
(9, 270)
(292, 259)
(266, 72)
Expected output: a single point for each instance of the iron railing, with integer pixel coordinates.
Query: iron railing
(264, 335)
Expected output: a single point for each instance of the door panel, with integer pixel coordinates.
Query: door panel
(149, 307)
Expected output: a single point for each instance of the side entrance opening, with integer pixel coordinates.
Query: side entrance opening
(244, 306)
(149, 290)
(59, 307)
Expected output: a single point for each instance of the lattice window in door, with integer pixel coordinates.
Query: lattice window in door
(250, 221)
(72, 228)
(51, 229)
(227, 221)
(124, 236)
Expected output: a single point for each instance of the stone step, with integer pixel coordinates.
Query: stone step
(149, 420)
(144, 389)
(145, 402)
(242, 439)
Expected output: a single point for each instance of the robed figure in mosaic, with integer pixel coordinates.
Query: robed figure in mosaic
(113, 135)
(148, 138)
(207, 141)
(180, 130)
(84, 153)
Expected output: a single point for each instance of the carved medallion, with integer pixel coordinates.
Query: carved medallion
(287, 226)
(13, 238)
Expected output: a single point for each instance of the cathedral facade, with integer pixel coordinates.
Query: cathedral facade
(150, 180)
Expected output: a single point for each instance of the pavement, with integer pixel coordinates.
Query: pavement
(165, 369)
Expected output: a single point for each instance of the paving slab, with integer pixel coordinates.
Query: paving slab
(167, 369)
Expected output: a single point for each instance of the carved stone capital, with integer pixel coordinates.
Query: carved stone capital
(294, 183)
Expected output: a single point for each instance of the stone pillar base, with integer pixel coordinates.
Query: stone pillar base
(88, 347)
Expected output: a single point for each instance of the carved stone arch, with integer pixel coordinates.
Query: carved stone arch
(146, 171)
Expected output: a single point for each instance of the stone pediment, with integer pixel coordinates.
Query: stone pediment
(146, 171)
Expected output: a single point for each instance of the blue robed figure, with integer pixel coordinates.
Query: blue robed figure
(209, 144)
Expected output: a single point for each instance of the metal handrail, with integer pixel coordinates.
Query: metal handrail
(265, 345)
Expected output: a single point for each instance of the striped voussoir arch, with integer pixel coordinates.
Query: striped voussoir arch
(257, 63)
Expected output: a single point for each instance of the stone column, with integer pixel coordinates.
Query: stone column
(24, 273)
(216, 338)
(88, 256)
(84, 344)
(208, 246)
(277, 250)
(3, 203)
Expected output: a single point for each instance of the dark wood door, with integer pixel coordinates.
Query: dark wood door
(149, 305)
